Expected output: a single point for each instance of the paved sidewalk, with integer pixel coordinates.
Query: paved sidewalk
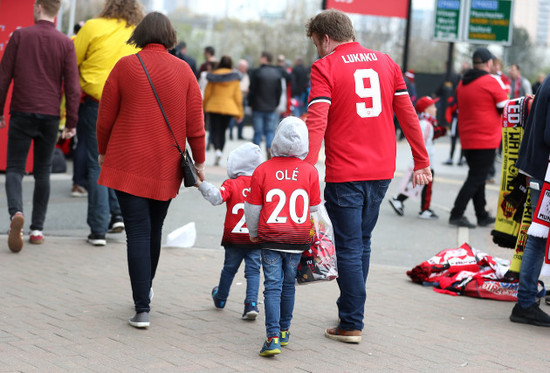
(65, 306)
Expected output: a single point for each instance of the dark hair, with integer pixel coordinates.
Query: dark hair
(154, 28)
(129, 10)
(334, 23)
(210, 50)
(50, 7)
(268, 56)
(225, 62)
(77, 27)
(181, 45)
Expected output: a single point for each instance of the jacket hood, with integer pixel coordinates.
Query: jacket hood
(473, 74)
(291, 139)
(243, 160)
(223, 75)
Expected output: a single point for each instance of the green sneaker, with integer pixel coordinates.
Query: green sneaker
(271, 347)
(285, 336)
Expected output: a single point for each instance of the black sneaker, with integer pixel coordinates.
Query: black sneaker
(461, 221)
(531, 315)
(485, 221)
(97, 239)
(116, 225)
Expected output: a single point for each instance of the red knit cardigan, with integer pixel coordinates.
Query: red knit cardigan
(140, 158)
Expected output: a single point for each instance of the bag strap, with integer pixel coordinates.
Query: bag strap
(160, 105)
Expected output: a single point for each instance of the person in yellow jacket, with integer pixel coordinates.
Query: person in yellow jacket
(222, 100)
(99, 44)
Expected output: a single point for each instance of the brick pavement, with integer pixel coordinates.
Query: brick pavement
(65, 306)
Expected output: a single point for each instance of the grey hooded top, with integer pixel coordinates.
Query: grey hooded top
(241, 162)
(291, 140)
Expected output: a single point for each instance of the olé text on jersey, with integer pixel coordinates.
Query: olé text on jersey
(287, 174)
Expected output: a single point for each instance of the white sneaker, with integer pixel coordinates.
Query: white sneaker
(427, 214)
(397, 206)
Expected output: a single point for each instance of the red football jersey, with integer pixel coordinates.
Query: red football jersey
(363, 88)
(285, 187)
(235, 232)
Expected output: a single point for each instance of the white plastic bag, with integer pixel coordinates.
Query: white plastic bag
(182, 237)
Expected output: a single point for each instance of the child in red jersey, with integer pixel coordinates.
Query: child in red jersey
(283, 191)
(240, 165)
(427, 111)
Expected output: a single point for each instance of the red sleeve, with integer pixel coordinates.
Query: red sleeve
(317, 113)
(402, 106)
(316, 122)
(195, 121)
(108, 109)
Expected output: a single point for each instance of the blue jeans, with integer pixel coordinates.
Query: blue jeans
(279, 278)
(143, 220)
(233, 259)
(24, 128)
(101, 201)
(353, 208)
(80, 154)
(533, 257)
(264, 124)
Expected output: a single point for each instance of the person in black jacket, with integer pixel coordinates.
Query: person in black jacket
(263, 98)
(300, 82)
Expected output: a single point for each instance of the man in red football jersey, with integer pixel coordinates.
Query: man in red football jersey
(354, 93)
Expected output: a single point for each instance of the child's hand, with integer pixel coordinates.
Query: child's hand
(254, 239)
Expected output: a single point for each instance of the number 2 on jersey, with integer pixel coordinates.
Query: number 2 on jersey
(363, 92)
(239, 227)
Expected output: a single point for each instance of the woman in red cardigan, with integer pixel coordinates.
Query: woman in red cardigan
(136, 152)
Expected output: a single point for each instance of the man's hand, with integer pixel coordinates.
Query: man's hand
(2, 122)
(100, 159)
(254, 239)
(422, 177)
(68, 133)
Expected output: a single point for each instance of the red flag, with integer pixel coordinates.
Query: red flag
(386, 8)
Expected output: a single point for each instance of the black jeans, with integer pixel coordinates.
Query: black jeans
(479, 163)
(143, 220)
(24, 128)
(218, 127)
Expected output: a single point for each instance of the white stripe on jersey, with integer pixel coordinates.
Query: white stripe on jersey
(317, 100)
(401, 93)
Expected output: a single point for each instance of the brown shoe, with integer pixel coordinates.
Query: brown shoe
(15, 237)
(347, 336)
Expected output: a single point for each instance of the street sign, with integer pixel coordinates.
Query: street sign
(489, 22)
(448, 20)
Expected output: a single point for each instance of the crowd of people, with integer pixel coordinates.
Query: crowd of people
(135, 107)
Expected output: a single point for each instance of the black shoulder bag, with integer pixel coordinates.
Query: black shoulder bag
(189, 172)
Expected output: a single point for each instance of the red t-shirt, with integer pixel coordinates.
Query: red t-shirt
(285, 187)
(354, 93)
(235, 232)
(479, 121)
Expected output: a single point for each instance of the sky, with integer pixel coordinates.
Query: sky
(252, 9)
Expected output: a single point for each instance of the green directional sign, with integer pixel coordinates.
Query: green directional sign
(489, 22)
(448, 20)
